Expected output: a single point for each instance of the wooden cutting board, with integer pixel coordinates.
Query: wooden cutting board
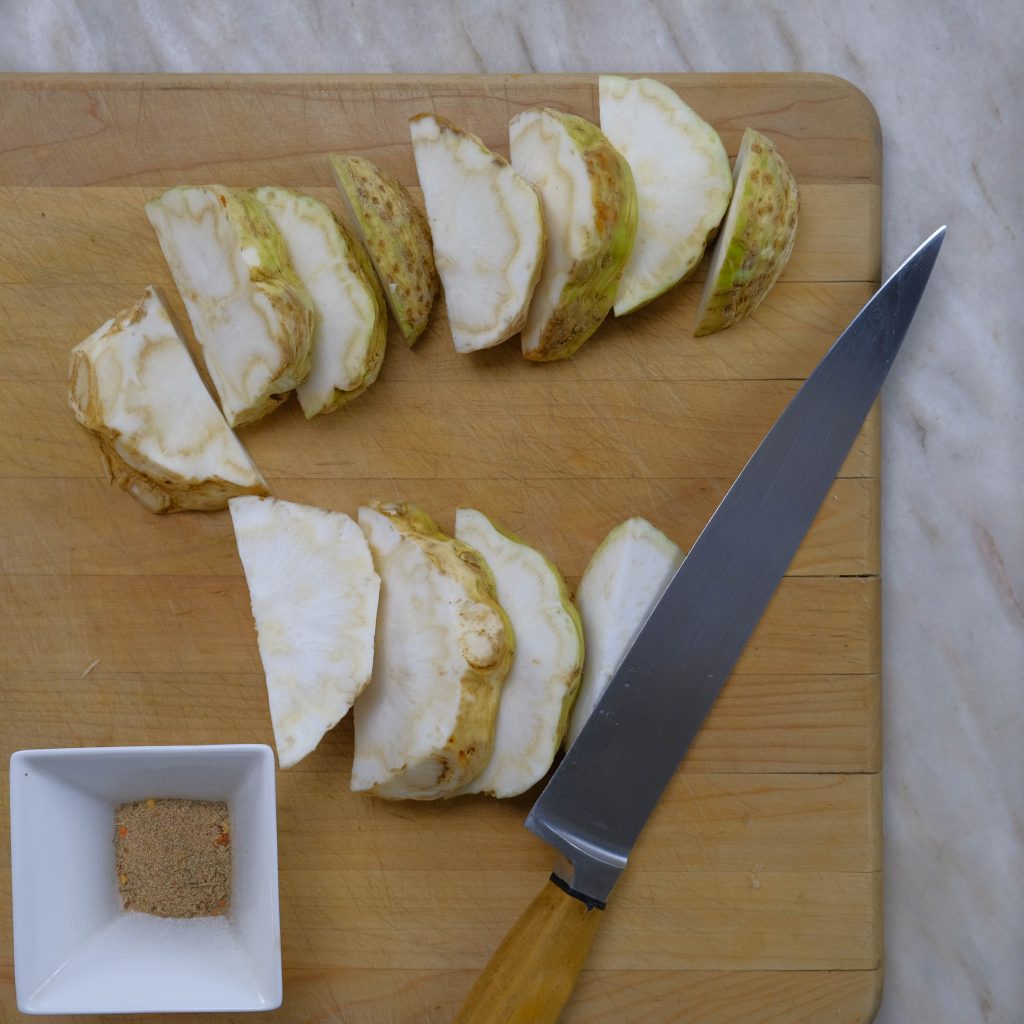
(755, 892)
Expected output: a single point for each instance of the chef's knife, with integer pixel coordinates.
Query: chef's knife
(600, 797)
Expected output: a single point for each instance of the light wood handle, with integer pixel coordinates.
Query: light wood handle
(533, 972)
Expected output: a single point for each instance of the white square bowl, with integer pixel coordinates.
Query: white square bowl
(76, 950)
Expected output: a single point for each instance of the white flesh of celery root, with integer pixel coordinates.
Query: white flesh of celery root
(134, 386)
(627, 573)
(314, 597)
(683, 183)
(425, 725)
(250, 313)
(546, 668)
(589, 203)
(350, 323)
(487, 230)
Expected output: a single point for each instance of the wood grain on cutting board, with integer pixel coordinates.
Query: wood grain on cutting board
(755, 892)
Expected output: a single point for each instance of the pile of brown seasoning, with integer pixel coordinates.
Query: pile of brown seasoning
(174, 857)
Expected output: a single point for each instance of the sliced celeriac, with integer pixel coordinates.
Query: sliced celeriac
(350, 319)
(132, 384)
(589, 204)
(487, 230)
(314, 597)
(683, 182)
(425, 725)
(250, 313)
(546, 667)
(756, 239)
(397, 237)
(625, 577)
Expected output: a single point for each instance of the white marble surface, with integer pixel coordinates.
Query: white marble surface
(946, 78)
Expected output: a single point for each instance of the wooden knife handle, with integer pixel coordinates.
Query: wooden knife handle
(534, 971)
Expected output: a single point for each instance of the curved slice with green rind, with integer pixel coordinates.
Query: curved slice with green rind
(251, 314)
(350, 318)
(589, 202)
(683, 183)
(397, 237)
(545, 674)
(756, 239)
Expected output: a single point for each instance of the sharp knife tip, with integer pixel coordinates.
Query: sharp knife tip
(922, 259)
(934, 240)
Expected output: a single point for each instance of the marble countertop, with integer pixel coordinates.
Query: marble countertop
(946, 79)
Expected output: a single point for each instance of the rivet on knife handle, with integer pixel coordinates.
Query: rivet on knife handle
(600, 797)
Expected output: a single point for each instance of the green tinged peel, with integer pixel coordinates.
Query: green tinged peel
(755, 241)
(397, 237)
(590, 210)
(350, 324)
(251, 314)
(546, 669)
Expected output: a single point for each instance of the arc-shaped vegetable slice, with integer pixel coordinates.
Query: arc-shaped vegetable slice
(397, 237)
(350, 320)
(132, 384)
(487, 230)
(683, 183)
(250, 313)
(627, 573)
(314, 597)
(589, 204)
(755, 241)
(425, 725)
(546, 668)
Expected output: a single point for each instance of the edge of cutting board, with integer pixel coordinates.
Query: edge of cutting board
(856, 993)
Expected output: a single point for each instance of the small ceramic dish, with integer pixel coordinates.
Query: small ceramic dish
(76, 950)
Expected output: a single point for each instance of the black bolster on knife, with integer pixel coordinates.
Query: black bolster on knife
(589, 901)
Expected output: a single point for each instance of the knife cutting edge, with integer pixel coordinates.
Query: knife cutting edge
(609, 782)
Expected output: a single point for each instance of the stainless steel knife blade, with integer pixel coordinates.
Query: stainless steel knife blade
(601, 795)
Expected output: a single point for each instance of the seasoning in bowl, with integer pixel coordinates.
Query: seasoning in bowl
(173, 857)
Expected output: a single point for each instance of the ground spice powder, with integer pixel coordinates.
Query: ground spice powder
(173, 857)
